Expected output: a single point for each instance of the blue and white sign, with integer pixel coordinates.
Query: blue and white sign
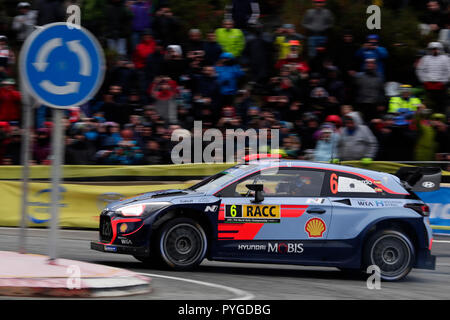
(62, 66)
(439, 203)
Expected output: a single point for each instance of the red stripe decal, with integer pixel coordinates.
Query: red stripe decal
(292, 213)
(293, 206)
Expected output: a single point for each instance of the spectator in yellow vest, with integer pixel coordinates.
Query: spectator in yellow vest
(231, 40)
(404, 101)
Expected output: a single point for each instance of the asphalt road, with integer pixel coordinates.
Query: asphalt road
(219, 280)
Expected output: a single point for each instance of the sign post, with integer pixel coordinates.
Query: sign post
(27, 118)
(61, 67)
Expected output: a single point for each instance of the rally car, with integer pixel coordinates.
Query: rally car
(285, 212)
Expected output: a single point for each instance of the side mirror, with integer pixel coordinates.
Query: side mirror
(258, 189)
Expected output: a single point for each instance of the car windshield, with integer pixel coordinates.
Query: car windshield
(222, 178)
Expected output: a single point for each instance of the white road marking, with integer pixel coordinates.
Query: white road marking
(241, 294)
(441, 241)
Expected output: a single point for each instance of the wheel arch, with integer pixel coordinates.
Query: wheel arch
(401, 225)
(185, 212)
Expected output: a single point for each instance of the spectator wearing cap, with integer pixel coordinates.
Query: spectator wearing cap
(230, 39)
(372, 50)
(433, 70)
(317, 21)
(357, 141)
(10, 101)
(404, 101)
(23, 24)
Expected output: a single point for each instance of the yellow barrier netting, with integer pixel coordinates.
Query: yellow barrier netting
(173, 170)
(80, 204)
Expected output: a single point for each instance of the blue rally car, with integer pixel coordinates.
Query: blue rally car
(286, 212)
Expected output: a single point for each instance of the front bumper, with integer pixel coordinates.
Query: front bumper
(112, 248)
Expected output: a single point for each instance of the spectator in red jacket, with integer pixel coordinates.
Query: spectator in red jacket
(145, 48)
(9, 101)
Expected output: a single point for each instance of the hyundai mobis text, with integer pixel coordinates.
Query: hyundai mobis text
(285, 212)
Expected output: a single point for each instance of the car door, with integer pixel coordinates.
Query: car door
(290, 224)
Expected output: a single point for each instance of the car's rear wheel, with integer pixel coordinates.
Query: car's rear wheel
(392, 251)
(182, 243)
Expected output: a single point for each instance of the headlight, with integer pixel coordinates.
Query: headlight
(139, 209)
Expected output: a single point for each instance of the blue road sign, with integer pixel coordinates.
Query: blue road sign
(62, 66)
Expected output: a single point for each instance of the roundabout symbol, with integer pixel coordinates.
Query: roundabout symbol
(62, 67)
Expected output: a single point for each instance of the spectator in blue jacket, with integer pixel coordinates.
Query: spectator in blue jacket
(228, 74)
(371, 50)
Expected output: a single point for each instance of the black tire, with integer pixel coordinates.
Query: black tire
(392, 251)
(182, 244)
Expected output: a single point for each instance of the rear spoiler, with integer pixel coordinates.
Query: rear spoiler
(420, 179)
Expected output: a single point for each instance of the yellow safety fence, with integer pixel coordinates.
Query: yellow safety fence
(80, 205)
(157, 172)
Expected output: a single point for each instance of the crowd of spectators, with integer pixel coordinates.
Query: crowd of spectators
(328, 103)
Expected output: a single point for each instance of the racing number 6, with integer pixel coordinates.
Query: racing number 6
(333, 183)
(233, 210)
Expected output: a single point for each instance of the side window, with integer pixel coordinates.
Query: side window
(347, 184)
(284, 182)
(344, 184)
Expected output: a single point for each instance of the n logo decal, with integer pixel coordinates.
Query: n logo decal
(211, 208)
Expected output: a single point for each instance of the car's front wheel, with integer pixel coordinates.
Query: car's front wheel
(182, 243)
(392, 251)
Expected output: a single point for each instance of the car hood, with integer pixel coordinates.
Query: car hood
(169, 195)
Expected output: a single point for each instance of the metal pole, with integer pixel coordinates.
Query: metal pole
(57, 160)
(27, 118)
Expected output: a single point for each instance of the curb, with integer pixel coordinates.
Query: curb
(30, 275)
(91, 288)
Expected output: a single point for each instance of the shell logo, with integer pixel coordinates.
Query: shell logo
(315, 227)
(123, 227)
